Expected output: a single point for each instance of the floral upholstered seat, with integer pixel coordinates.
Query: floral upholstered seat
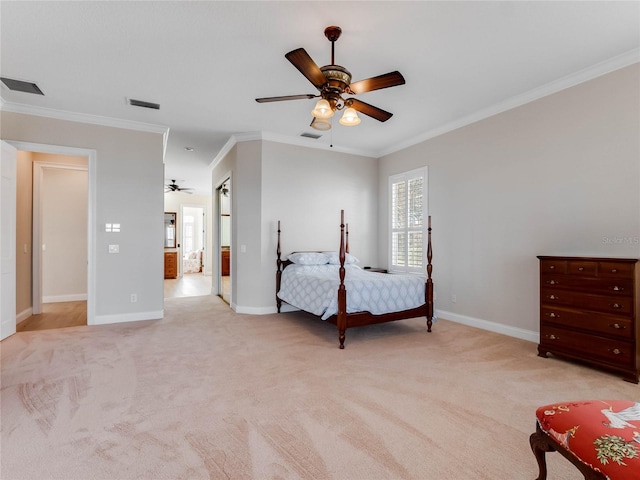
(601, 437)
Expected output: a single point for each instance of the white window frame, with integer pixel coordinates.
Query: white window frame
(406, 176)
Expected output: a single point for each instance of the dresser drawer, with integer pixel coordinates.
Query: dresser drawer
(616, 269)
(575, 267)
(593, 322)
(553, 266)
(598, 285)
(580, 300)
(615, 352)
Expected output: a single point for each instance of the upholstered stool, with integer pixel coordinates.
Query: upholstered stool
(600, 437)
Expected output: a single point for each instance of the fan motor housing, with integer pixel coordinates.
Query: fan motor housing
(337, 77)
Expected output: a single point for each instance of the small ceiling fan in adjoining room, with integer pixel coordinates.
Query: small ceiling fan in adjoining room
(333, 81)
(174, 187)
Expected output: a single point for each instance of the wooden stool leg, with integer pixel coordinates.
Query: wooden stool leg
(541, 443)
(540, 447)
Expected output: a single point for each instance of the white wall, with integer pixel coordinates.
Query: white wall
(64, 199)
(129, 190)
(305, 189)
(558, 176)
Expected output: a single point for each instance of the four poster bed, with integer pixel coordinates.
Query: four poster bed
(318, 282)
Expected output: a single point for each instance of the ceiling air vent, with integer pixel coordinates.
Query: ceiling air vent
(140, 103)
(315, 136)
(20, 86)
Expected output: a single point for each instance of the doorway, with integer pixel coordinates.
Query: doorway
(59, 241)
(192, 246)
(193, 239)
(29, 243)
(224, 240)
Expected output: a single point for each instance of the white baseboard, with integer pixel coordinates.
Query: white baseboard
(78, 297)
(23, 315)
(253, 310)
(454, 317)
(128, 317)
(516, 332)
(264, 310)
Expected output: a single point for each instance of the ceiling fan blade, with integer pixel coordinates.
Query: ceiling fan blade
(390, 79)
(303, 62)
(370, 110)
(286, 97)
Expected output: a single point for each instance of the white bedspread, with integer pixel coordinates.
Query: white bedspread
(314, 289)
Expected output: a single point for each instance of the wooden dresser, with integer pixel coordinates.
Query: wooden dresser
(589, 312)
(170, 264)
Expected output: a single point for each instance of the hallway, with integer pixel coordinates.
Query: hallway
(74, 314)
(189, 285)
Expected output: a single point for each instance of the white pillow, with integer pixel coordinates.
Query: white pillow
(309, 258)
(334, 258)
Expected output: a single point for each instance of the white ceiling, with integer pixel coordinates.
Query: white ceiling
(206, 62)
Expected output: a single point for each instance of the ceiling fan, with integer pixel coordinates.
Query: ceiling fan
(173, 187)
(333, 81)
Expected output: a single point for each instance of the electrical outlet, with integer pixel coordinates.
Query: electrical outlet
(134, 298)
(454, 298)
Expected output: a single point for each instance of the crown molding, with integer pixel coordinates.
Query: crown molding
(233, 139)
(286, 139)
(621, 61)
(82, 118)
(312, 143)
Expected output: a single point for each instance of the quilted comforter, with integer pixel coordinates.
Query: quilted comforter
(313, 288)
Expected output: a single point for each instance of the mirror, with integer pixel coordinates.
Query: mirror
(169, 230)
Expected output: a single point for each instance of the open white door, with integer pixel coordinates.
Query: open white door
(8, 240)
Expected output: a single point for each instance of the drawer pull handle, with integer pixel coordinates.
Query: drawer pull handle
(616, 351)
(553, 337)
(617, 326)
(551, 267)
(617, 288)
(554, 315)
(553, 297)
(553, 282)
(614, 270)
(580, 269)
(617, 305)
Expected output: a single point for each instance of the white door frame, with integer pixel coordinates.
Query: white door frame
(92, 156)
(8, 191)
(217, 240)
(36, 272)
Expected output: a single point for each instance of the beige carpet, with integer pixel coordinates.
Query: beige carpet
(209, 394)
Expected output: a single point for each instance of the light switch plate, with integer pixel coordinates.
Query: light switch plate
(114, 248)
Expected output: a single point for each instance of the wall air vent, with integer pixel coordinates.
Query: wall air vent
(315, 136)
(20, 86)
(140, 103)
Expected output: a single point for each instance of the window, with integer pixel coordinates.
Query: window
(408, 205)
(189, 221)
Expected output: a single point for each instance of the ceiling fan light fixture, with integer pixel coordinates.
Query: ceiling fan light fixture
(350, 117)
(322, 110)
(321, 124)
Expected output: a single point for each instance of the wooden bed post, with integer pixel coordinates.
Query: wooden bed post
(278, 271)
(429, 286)
(346, 247)
(342, 292)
